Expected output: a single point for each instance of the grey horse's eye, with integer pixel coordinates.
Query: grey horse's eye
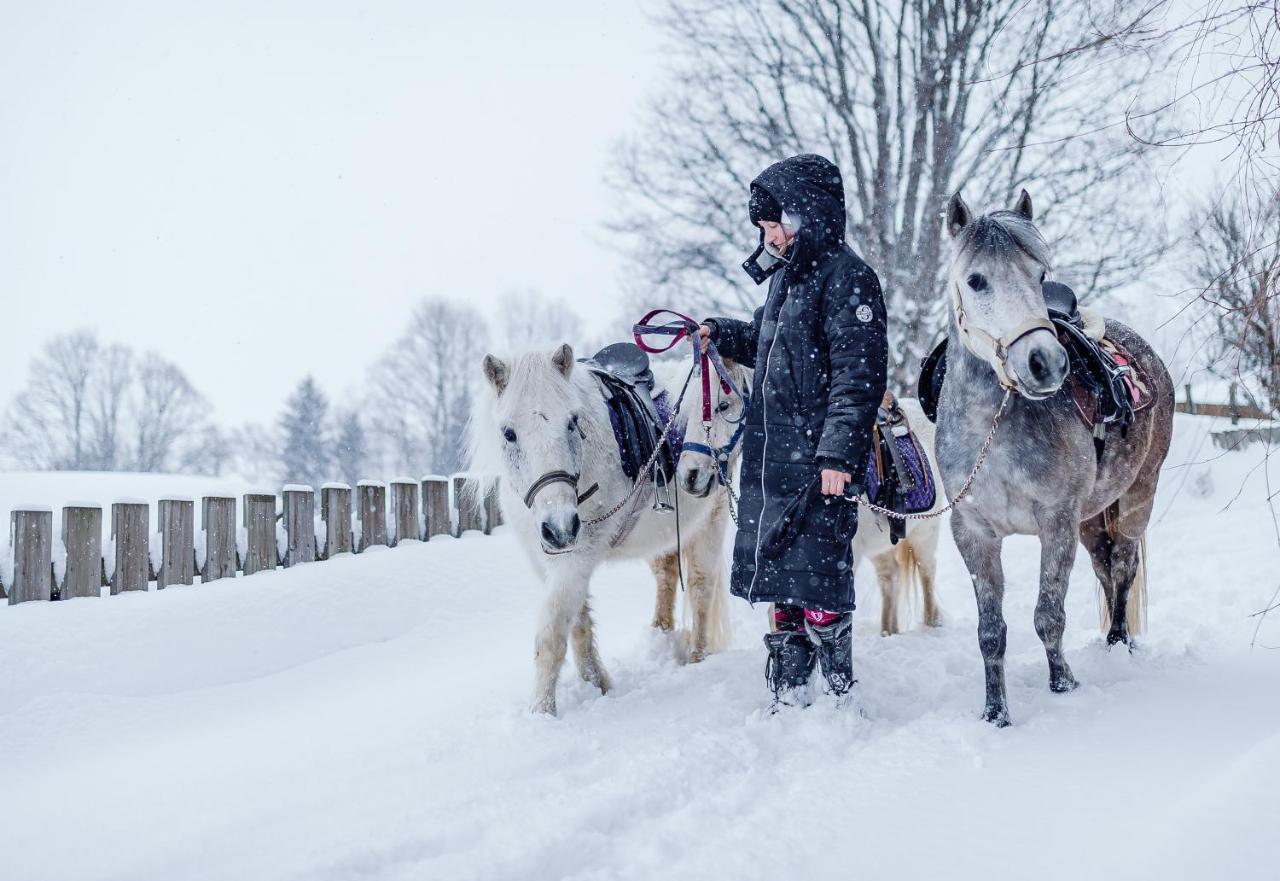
(509, 434)
(977, 281)
(1043, 276)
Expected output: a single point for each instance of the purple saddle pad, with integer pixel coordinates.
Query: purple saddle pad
(923, 494)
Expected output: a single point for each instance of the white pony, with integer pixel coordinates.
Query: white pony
(543, 427)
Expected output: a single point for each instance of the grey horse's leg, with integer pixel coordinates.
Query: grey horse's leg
(1057, 553)
(981, 553)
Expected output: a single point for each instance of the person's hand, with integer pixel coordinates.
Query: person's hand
(834, 482)
(704, 336)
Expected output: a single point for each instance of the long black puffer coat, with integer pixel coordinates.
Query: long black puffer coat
(820, 355)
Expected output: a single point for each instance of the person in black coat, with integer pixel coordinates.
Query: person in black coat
(820, 353)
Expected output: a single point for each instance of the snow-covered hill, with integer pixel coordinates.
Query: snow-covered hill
(365, 718)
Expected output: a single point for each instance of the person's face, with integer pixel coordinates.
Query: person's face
(777, 236)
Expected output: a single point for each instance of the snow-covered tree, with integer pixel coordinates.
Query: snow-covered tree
(305, 452)
(527, 319)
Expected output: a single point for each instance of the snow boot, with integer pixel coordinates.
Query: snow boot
(832, 635)
(788, 667)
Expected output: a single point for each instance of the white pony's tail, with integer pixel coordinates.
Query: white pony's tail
(1135, 612)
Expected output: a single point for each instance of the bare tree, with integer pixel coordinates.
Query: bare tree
(112, 376)
(49, 423)
(421, 389)
(528, 319)
(1237, 267)
(167, 412)
(912, 99)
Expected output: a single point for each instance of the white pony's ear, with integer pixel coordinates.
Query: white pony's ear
(496, 372)
(958, 214)
(1024, 206)
(562, 359)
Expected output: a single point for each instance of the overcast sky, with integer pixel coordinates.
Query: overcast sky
(261, 190)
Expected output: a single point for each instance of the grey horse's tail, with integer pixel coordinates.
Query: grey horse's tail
(1135, 612)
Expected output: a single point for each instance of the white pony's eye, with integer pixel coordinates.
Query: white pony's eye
(724, 406)
(509, 434)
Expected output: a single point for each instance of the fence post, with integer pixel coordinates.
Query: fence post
(467, 504)
(373, 513)
(492, 509)
(435, 505)
(335, 510)
(260, 525)
(1191, 405)
(219, 519)
(1232, 408)
(82, 537)
(404, 510)
(130, 528)
(299, 524)
(177, 542)
(31, 535)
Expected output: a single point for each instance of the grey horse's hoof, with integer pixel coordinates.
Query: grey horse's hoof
(1062, 682)
(997, 716)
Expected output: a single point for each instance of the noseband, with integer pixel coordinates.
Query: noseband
(989, 347)
(720, 455)
(558, 477)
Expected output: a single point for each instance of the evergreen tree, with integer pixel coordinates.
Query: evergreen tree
(304, 451)
(350, 456)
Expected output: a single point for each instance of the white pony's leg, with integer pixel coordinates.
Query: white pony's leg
(664, 607)
(923, 542)
(566, 596)
(704, 558)
(887, 575)
(585, 653)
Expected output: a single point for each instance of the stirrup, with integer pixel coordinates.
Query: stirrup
(662, 500)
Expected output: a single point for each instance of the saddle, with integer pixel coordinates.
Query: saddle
(898, 475)
(1106, 384)
(626, 383)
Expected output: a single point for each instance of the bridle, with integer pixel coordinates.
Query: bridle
(991, 348)
(561, 476)
(721, 454)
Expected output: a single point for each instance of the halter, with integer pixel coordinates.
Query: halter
(561, 477)
(994, 350)
(720, 455)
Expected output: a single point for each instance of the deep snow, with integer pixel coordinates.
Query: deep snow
(365, 718)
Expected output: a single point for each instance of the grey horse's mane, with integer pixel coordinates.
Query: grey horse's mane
(998, 233)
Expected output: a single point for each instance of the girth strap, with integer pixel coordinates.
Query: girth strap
(558, 477)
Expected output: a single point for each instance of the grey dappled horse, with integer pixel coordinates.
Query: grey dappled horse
(1040, 476)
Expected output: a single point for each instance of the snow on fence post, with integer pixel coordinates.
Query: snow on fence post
(492, 509)
(260, 524)
(335, 510)
(299, 524)
(177, 528)
(467, 503)
(219, 518)
(435, 506)
(373, 513)
(404, 510)
(130, 530)
(82, 537)
(31, 535)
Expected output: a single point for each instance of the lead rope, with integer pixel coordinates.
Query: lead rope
(964, 488)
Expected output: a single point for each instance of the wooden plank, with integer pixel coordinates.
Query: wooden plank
(404, 511)
(299, 524)
(468, 505)
(335, 510)
(219, 519)
(435, 506)
(492, 509)
(31, 536)
(372, 496)
(177, 525)
(130, 528)
(82, 537)
(260, 524)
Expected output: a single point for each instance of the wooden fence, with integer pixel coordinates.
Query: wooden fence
(1234, 409)
(264, 539)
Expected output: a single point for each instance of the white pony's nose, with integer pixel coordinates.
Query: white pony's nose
(696, 481)
(559, 532)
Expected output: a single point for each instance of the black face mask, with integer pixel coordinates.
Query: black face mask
(762, 264)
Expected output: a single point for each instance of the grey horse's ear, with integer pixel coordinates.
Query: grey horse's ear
(496, 372)
(958, 215)
(562, 359)
(1024, 206)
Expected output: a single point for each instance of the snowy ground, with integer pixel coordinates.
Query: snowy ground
(364, 719)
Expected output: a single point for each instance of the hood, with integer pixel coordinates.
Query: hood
(810, 191)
